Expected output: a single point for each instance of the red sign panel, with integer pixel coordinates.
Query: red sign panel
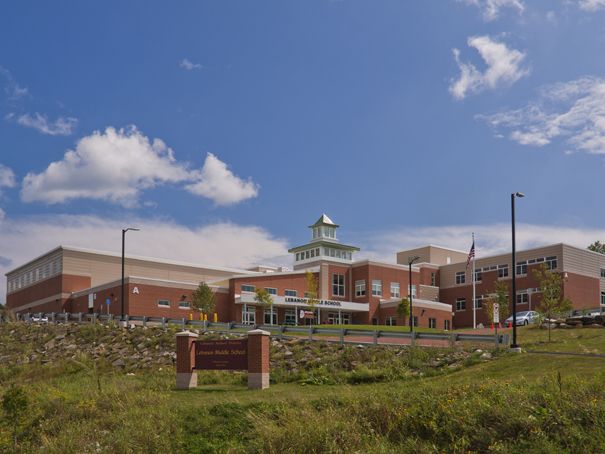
(229, 354)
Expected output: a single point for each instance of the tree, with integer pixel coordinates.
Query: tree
(312, 290)
(553, 302)
(264, 298)
(15, 406)
(498, 296)
(403, 309)
(203, 299)
(597, 246)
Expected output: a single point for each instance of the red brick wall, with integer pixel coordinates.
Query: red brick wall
(282, 283)
(53, 286)
(584, 292)
(422, 314)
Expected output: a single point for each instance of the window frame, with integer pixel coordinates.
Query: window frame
(187, 307)
(360, 284)
(460, 277)
(376, 283)
(164, 306)
(460, 304)
(433, 322)
(249, 286)
(396, 294)
(338, 285)
(292, 292)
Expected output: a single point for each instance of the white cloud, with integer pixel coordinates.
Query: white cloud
(11, 87)
(7, 177)
(62, 126)
(114, 165)
(591, 5)
(221, 244)
(491, 8)
(188, 65)
(503, 67)
(572, 110)
(219, 184)
(491, 239)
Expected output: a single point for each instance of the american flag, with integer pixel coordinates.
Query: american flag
(471, 254)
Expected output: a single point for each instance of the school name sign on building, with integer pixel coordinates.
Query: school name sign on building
(251, 354)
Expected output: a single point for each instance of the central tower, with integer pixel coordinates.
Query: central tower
(323, 246)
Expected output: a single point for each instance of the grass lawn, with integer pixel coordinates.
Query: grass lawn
(514, 403)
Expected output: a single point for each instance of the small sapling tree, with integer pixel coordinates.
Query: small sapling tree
(403, 309)
(264, 298)
(203, 299)
(553, 302)
(498, 296)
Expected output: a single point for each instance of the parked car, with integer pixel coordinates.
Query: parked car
(523, 318)
(39, 319)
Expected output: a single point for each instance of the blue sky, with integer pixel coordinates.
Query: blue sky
(235, 124)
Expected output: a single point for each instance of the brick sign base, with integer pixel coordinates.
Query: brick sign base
(240, 354)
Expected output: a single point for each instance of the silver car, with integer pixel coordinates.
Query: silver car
(523, 318)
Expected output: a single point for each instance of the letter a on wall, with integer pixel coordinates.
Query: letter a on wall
(135, 290)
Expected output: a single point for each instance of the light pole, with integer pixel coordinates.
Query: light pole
(513, 196)
(123, 247)
(411, 260)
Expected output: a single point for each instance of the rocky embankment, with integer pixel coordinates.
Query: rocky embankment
(140, 348)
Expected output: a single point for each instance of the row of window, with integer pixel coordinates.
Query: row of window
(325, 232)
(182, 304)
(270, 317)
(521, 269)
(270, 290)
(43, 271)
(522, 298)
(395, 289)
(327, 252)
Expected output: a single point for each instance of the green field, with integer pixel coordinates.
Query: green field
(513, 403)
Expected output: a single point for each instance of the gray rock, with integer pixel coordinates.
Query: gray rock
(118, 363)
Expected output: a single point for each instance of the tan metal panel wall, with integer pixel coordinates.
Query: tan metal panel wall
(428, 292)
(102, 269)
(584, 262)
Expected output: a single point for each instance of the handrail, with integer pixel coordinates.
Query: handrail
(340, 332)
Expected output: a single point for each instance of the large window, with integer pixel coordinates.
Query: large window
(521, 268)
(502, 271)
(338, 284)
(249, 315)
(460, 277)
(391, 321)
(270, 317)
(395, 290)
(478, 276)
(290, 293)
(551, 263)
(248, 288)
(432, 323)
(290, 317)
(271, 291)
(360, 288)
(446, 325)
(522, 298)
(434, 279)
(602, 272)
(376, 288)
(460, 304)
(603, 298)
(334, 318)
(479, 301)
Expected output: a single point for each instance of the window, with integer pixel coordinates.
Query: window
(271, 291)
(376, 288)
(184, 305)
(290, 293)
(479, 302)
(249, 315)
(290, 317)
(521, 268)
(460, 304)
(551, 263)
(432, 323)
(270, 317)
(603, 298)
(163, 303)
(312, 253)
(317, 252)
(522, 298)
(248, 288)
(335, 319)
(307, 254)
(602, 272)
(413, 291)
(446, 325)
(338, 284)
(502, 271)
(390, 321)
(478, 276)
(434, 279)
(395, 291)
(460, 277)
(415, 321)
(360, 288)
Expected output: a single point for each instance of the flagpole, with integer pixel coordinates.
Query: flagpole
(474, 291)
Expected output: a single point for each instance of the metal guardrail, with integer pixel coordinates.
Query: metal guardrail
(283, 331)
